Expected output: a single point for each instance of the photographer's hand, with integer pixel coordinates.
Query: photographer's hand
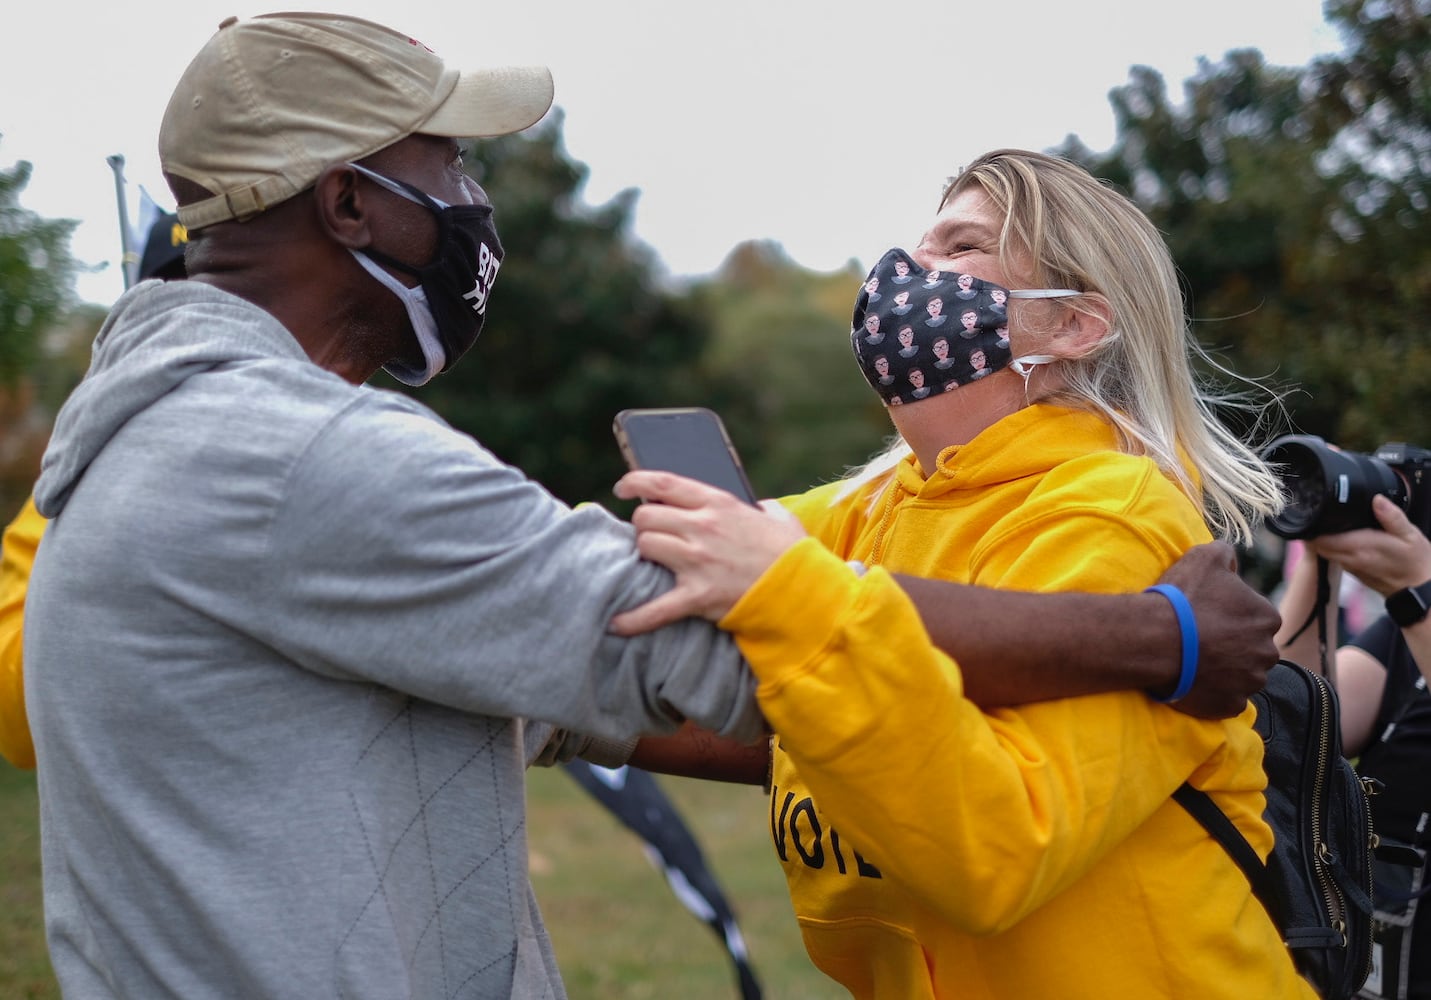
(1386, 560)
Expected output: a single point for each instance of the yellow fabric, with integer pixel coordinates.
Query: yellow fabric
(22, 538)
(933, 850)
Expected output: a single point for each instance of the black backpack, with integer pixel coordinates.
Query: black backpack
(1316, 884)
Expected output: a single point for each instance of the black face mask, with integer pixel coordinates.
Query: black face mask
(919, 333)
(450, 303)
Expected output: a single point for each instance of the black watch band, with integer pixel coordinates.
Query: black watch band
(1409, 606)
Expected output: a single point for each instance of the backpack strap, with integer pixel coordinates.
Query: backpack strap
(1396, 852)
(1355, 895)
(1215, 821)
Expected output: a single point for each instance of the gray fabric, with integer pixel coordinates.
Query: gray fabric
(548, 746)
(280, 642)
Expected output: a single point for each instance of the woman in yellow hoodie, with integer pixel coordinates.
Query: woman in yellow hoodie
(933, 849)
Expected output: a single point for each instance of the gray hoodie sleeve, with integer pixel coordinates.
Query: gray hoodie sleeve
(548, 746)
(429, 566)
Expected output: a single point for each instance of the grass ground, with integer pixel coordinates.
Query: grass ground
(24, 966)
(619, 932)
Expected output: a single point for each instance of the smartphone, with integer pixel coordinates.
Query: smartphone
(690, 441)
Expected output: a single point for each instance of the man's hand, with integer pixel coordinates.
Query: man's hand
(1235, 627)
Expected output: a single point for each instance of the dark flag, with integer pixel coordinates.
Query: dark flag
(163, 255)
(152, 244)
(633, 797)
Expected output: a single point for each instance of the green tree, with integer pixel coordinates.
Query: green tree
(40, 326)
(1376, 100)
(785, 331)
(1294, 200)
(579, 327)
(36, 276)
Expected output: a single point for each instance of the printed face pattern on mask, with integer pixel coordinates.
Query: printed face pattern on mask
(449, 305)
(927, 332)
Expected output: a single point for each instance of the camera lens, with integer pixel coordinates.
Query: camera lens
(1328, 490)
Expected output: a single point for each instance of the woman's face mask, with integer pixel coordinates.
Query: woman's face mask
(449, 304)
(917, 333)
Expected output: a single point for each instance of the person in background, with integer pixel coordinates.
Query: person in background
(934, 847)
(20, 540)
(1380, 677)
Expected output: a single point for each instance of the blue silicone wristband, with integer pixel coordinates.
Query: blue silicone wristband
(1187, 627)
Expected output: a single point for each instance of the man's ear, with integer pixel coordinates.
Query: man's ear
(342, 209)
(1082, 327)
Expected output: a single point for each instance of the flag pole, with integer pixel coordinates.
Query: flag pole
(129, 259)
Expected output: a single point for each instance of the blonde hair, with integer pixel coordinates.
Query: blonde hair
(1081, 234)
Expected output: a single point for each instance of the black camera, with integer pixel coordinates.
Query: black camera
(1329, 491)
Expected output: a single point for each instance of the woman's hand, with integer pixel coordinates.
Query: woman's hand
(716, 544)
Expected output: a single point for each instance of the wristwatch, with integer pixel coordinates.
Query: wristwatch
(1410, 605)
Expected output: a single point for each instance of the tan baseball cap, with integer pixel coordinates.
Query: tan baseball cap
(271, 101)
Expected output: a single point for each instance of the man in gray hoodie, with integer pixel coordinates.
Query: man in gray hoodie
(284, 629)
(286, 634)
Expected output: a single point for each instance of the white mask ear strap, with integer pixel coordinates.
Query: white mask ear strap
(1042, 293)
(1027, 363)
(424, 326)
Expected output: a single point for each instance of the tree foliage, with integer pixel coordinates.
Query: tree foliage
(36, 276)
(579, 326)
(44, 335)
(1295, 201)
(785, 332)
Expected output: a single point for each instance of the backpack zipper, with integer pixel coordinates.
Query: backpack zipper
(1331, 894)
(1369, 787)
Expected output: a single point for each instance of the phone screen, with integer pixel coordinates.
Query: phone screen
(690, 442)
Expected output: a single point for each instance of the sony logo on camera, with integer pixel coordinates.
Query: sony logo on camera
(1330, 490)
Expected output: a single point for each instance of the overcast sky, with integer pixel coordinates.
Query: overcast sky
(826, 125)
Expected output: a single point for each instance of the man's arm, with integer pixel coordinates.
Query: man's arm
(692, 752)
(1028, 647)
(1035, 647)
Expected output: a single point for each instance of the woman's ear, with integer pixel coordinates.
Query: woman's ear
(1082, 327)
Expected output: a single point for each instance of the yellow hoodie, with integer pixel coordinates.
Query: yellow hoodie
(21, 539)
(934, 850)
